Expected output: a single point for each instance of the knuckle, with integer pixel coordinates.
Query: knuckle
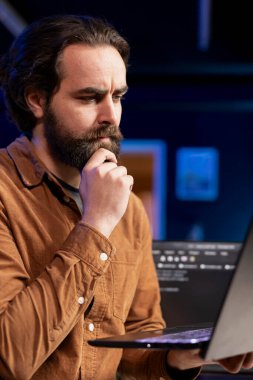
(121, 182)
(98, 171)
(103, 150)
(123, 169)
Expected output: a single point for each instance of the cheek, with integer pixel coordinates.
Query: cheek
(78, 119)
(119, 113)
(72, 114)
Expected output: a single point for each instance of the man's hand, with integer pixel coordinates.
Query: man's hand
(105, 189)
(186, 359)
(235, 363)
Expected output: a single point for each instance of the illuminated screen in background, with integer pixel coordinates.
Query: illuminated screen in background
(197, 174)
(146, 161)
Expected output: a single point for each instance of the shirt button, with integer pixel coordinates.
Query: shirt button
(81, 300)
(66, 199)
(103, 256)
(91, 327)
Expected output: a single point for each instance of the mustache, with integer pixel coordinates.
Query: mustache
(110, 131)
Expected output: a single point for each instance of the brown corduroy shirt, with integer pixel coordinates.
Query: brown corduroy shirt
(62, 282)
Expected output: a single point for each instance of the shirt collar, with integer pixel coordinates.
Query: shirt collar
(29, 167)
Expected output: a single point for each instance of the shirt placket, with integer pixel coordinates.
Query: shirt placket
(93, 325)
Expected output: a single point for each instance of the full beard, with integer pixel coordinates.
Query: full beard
(76, 151)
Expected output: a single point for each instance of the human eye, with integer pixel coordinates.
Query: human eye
(88, 98)
(118, 97)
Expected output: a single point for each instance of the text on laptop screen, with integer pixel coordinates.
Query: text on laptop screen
(193, 277)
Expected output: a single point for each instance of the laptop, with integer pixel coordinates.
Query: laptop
(232, 332)
(186, 272)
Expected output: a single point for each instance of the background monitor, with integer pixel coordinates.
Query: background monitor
(197, 174)
(146, 161)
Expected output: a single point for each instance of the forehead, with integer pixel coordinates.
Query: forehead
(84, 65)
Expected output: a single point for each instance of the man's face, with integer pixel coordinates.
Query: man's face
(84, 114)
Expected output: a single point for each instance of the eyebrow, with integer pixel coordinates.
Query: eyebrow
(100, 91)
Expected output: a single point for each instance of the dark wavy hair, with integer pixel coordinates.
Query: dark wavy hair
(33, 57)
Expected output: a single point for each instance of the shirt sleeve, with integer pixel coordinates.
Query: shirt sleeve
(39, 313)
(145, 314)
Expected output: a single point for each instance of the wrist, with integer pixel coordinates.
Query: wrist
(103, 228)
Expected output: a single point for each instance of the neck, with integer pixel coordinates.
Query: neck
(66, 173)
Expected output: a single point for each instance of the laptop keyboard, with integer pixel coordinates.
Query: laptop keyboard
(188, 336)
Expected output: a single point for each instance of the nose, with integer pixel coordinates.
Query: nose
(109, 112)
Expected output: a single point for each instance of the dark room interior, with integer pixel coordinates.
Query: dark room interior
(191, 90)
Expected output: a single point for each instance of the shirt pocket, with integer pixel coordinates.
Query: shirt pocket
(125, 278)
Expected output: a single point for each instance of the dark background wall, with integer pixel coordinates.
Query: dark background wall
(182, 94)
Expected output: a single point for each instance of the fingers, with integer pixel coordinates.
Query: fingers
(130, 181)
(105, 163)
(184, 359)
(121, 172)
(234, 364)
(105, 189)
(114, 170)
(100, 157)
(248, 361)
(190, 358)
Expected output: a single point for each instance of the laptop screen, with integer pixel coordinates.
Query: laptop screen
(193, 277)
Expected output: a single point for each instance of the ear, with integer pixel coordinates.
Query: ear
(36, 101)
